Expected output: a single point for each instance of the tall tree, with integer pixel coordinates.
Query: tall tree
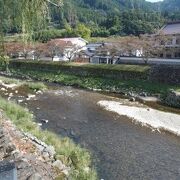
(28, 15)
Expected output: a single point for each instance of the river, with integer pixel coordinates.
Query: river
(120, 149)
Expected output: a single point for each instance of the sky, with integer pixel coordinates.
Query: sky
(154, 0)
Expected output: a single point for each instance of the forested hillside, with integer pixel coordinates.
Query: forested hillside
(115, 17)
(171, 9)
(105, 18)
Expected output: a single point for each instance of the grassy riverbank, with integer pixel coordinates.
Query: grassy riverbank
(113, 78)
(34, 86)
(98, 83)
(70, 154)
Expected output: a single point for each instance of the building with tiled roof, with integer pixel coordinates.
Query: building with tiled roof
(172, 47)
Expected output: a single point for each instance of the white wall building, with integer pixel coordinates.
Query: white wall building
(78, 44)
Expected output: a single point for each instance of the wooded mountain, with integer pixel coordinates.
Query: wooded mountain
(117, 17)
(170, 5)
(107, 17)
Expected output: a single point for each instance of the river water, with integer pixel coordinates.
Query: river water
(120, 149)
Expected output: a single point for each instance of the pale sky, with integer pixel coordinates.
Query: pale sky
(154, 0)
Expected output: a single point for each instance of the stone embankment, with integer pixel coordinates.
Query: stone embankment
(33, 159)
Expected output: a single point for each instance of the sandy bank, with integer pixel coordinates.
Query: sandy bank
(149, 117)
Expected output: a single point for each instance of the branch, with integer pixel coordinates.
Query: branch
(54, 4)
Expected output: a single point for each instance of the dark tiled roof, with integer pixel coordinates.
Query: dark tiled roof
(171, 28)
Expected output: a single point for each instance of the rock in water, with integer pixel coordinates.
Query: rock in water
(45, 121)
(132, 99)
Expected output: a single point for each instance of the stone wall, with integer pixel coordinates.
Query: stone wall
(124, 72)
(168, 74)
(165, 74)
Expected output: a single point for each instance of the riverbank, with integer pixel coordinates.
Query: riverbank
(77, 159)
(116, 144)
(129, 87)
(30, 158)
(131, 81)
(155, 119)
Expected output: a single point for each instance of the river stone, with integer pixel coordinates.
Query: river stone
(3, 89)
(173, 99)
(59, 165)
(144, 94)
(20, 101)
(10, 148)
(46, 156)
(50, 150)
(11, 95)
(132, 99)
(45, 121)
(35, 176)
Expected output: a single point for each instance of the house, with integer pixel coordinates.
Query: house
(99, 53)
(171, 32)
(66, 49)
(91, 49)
(103, 59)
(109, 52)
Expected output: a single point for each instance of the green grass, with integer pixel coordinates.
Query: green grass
(13, 38)
(35, 86)
(109, 67)
(109, 84)
(68, 152)
(10, 80)
(112, 67)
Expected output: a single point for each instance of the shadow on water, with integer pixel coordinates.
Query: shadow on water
(120, 149)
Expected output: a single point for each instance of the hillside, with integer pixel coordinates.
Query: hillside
(170, 5)
(115, 17)
(104, 18)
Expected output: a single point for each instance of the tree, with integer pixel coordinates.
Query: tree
(39, 50)
(12, 49)
(71, 51)
(82, 31)
(153, 45)
(52, 48)
(28, 15)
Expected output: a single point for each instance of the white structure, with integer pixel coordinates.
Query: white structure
(77, 41)
(103, 60)
(77, 44)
